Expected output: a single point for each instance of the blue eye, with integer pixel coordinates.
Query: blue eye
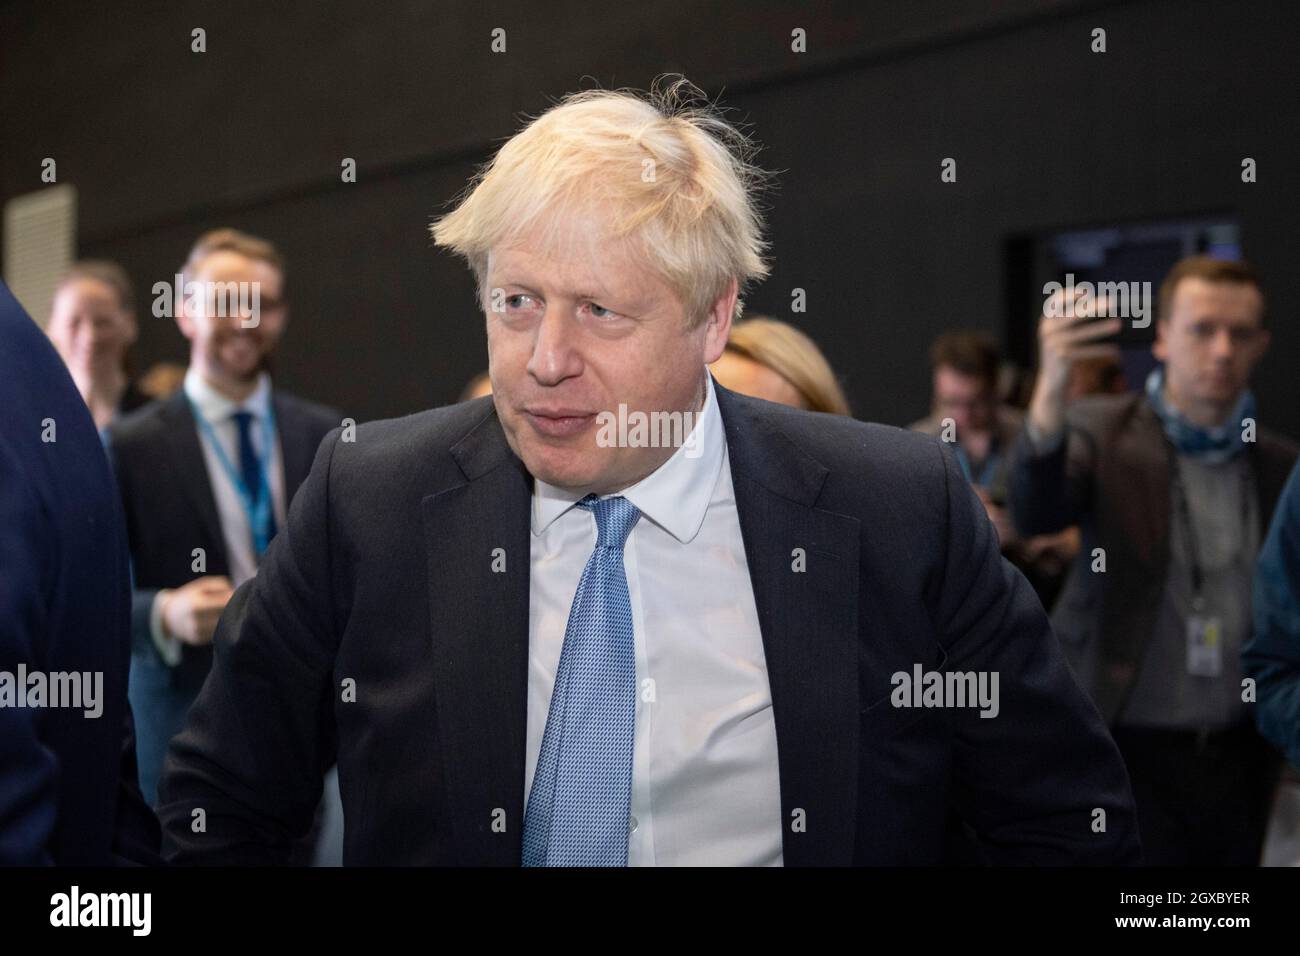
(600, 312)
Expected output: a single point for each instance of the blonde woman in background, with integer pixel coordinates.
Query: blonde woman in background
(772, 360)
(92, 325)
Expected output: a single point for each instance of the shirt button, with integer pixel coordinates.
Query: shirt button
(632, 824)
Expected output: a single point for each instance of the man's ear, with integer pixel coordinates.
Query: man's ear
(718, 325)
(1160, 348)
(184, 322)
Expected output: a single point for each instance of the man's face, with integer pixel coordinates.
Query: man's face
(1211, 340)
(580, 335)
(966, 399)
(216, 327)
(88, 325)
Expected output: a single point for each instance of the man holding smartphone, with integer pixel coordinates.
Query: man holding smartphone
(1171, 487)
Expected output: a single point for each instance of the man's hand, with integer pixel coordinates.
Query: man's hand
(190, 613)
(1066, 335)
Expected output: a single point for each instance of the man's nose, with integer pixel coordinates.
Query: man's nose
(1223, 345)
(555, 356)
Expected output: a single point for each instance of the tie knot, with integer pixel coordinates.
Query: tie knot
(614, 519)
(243, 419)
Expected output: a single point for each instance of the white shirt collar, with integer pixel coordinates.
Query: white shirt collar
(217, 408)
(675, 495)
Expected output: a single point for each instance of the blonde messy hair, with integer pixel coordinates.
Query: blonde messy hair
(669, 172)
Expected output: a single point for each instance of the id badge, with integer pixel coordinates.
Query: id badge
(1204, 645)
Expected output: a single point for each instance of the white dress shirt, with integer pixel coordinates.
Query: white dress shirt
(705, 783)
(236, 531)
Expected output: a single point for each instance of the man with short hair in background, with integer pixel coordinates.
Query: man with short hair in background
(207, 476)
(1172, 488)
(965, 412)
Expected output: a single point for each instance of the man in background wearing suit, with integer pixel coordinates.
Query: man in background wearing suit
(206, 478)
(535, 633)
(1172, 489)
(68, 791)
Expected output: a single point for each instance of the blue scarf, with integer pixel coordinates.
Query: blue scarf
(1212, 446)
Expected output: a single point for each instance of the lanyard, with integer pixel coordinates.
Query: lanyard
(1185, 514)
(259, 513)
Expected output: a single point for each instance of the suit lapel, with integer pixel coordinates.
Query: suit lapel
(809, 623)
(1145, 455)
(297, 448)
(478, 610)
(187, 455)
(1139, 463)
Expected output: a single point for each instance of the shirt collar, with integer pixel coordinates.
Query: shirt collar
(215, 407)
(675, 495)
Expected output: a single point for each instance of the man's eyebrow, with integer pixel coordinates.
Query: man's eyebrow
(580, 295)
(598, 297)
(526, 286)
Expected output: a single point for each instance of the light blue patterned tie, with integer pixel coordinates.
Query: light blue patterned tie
(582, 788)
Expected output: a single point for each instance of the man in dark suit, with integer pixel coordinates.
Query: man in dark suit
(1172, 489)
(206, 477)
(68, 793)
(533, 631)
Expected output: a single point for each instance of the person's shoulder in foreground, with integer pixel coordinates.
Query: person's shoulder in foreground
(68, 793)
(1272, 657)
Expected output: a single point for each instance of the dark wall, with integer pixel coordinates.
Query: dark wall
(163, 143)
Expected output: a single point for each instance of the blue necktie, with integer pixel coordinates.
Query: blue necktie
(582, 788)
(250, 468)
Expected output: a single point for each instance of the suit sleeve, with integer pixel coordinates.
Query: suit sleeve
(136, 836)
(28, 769)
(1272, 657)
(142, 599)
(142, 641)
(1051, 484)
(242, 781)
(1041, 781)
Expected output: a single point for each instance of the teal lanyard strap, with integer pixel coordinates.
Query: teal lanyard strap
(259, 513)
(986, 473)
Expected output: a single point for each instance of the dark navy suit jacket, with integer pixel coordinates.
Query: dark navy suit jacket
(68, 792)
(383, 582)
